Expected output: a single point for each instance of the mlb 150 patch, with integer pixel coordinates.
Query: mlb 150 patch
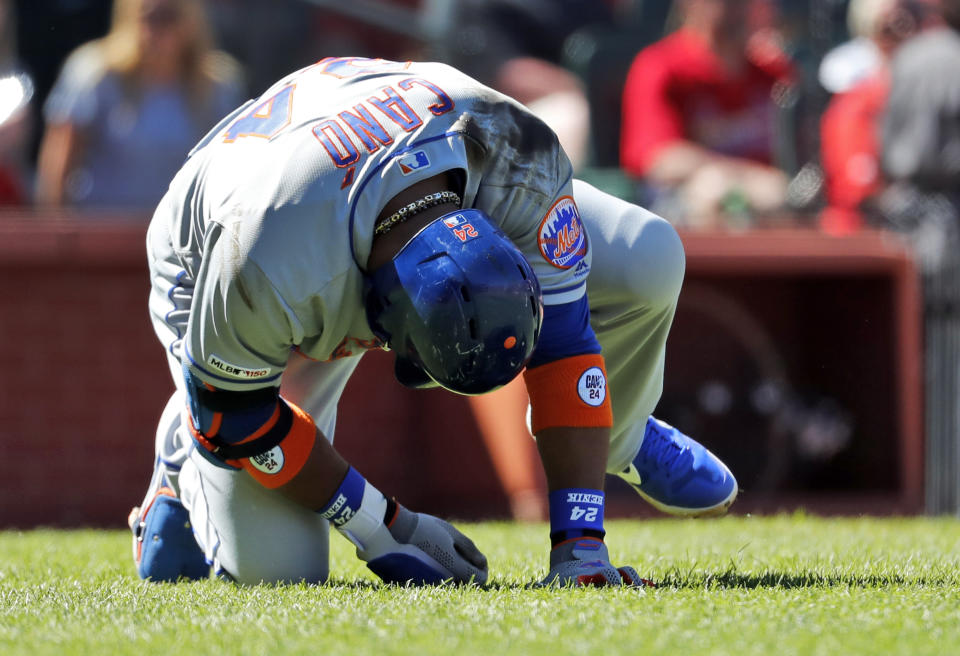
(234, 370)
(562, 239)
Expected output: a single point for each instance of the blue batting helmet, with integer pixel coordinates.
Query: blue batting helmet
(459, 304)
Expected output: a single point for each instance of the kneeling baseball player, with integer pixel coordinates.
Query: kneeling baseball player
(364, 204)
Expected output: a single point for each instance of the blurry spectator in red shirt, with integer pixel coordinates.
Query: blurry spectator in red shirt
(698, 111)
(850, 126)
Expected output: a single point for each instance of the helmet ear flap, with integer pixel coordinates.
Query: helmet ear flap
(411, 375)
(376, 299)
(381, 314)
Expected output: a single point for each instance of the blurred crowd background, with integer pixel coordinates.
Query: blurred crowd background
(833, 114)
(835, 117)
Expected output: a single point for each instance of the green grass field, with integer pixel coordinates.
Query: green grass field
(747, 585)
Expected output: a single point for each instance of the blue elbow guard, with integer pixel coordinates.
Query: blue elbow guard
(222, 418)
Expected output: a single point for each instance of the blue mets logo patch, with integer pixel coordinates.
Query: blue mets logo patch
(413, 162)
(562, 239)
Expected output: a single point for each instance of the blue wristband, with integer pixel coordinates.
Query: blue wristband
(345, 502)
(576, 508)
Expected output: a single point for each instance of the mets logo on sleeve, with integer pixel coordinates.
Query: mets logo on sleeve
(562, 239)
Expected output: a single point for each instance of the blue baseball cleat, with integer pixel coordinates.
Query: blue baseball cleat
(678, 475)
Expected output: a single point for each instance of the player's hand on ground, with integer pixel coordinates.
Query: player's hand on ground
(422, 549)
(585, 561)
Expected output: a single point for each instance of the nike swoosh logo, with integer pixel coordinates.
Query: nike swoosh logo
(631, 475)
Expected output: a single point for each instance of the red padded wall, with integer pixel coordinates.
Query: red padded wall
(84, 381)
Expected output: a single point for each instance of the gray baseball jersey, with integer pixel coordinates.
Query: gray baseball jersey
(263, 233)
